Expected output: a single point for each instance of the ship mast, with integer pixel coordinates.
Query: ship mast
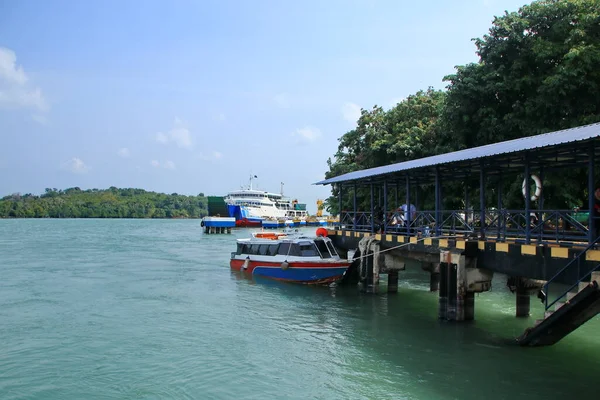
(281, 189)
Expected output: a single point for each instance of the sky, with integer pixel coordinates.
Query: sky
(195, 96)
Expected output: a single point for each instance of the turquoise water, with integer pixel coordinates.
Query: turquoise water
(148, 309)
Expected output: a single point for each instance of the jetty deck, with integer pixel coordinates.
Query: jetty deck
(552, 254)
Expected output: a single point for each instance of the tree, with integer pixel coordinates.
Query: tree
(409, 130)
(538, 72)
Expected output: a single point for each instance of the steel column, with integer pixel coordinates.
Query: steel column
(372, 209)
(437, 202)
(354, 212)
(481, 200)
(385, 205)
(527, 200)
(499, 208)
(408, 220)
(591, 189)
(340, 202)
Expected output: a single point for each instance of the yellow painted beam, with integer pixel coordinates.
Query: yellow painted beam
(503, 247)
(460, 244)
(559, 252)
(528, 249)
(592, 255)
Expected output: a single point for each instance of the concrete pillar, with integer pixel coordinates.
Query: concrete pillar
(455, 302)
(434, 281)
(392, 281)
(369, 265)
(469, 306)
(523, 302)
(443, 292)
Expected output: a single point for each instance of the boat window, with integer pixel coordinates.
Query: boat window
(308, 250)
(253, 249)
(240, 248)
(332, 249)
(262, 250)
(272, 249)
(322, 249)
(288, 249)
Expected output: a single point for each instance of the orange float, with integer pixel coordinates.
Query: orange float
(322, 232)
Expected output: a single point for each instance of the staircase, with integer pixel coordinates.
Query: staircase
(571, 308)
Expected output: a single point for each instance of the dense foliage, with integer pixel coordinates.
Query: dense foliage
(537, 72)
(95, 203)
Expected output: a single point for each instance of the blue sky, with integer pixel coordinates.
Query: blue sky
(194, 96)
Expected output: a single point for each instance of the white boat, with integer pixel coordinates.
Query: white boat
(251, 206)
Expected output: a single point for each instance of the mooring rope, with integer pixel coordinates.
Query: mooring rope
(404, 244)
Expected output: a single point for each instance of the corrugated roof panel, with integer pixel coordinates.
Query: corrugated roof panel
(510, 146)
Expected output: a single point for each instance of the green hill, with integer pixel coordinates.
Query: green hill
(96, 203)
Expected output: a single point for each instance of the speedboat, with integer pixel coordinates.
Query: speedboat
(290, 256)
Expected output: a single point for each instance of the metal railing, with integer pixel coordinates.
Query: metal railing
(545, 226)
(576, 270)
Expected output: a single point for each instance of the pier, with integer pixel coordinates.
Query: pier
(549, 254)
(215, 225)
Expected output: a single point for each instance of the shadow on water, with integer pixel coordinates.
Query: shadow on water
(401, 335)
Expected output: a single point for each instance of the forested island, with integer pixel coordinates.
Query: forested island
(537, 72)
(95, 203)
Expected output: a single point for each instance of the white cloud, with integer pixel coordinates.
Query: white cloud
(40, 119)
(162, 138)
(169, 164)
(307, 134)
(179, 134)
(75, 165)
(123, 152)
(166, 165)
(213, 156)
(351, 112)
(15, 92)
(282, 100)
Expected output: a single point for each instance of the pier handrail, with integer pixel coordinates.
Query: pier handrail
(580, 278)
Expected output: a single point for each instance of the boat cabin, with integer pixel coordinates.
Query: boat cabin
(303, 248)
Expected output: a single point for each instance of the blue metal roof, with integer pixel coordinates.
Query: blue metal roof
(580, 133)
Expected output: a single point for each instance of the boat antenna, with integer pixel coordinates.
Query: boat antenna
(281, 189)
(251, 177)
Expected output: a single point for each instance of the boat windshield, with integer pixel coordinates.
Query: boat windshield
(308, 249)
(332, 249)
(322, 248)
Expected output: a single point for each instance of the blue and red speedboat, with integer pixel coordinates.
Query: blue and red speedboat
(290, 257)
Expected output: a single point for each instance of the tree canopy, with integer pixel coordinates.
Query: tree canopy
(109, 203)
(537, 72)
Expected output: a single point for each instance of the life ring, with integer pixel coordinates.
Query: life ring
(321, 232)
(538, 187)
